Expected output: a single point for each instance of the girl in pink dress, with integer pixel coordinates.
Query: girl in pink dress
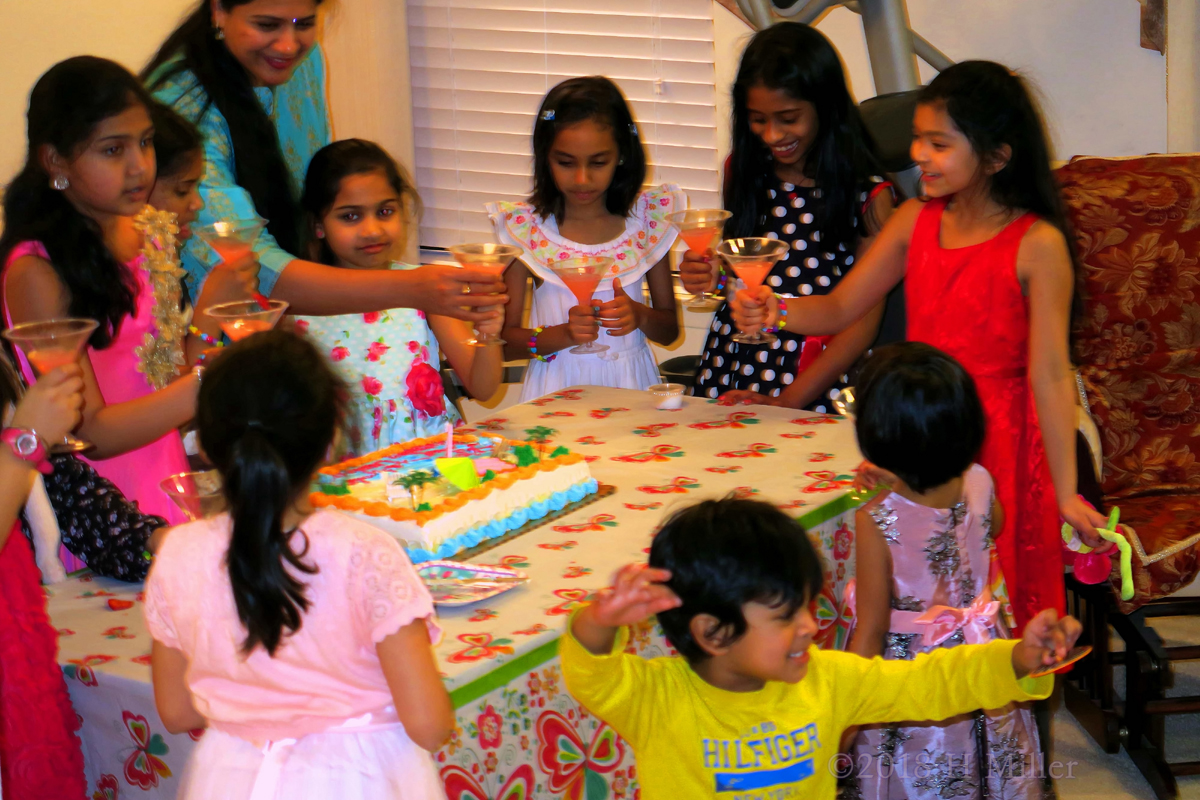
(923, 579)
(71, 248)
(988, 271)
(39, 751)
(300, 638)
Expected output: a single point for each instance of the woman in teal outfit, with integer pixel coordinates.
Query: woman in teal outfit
(251, 76)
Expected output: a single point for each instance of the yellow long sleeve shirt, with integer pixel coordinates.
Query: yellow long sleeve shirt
(693, 740)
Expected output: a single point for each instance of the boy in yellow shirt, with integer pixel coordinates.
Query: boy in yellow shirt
(752, 710)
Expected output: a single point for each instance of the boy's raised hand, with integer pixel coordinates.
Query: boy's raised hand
(638, 592)
(1047, 639)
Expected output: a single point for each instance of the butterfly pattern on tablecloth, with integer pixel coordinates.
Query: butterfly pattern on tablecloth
(106, 788)
(736, 419)
(662, 452)
(144, 766)
(654, 430)
(605, 413)
(81, 668)
(572, 599)
(756, 450)
(571, 766)
(567, 545)
(462, 785)
(598, 522)
(480, 646)
(676, 486)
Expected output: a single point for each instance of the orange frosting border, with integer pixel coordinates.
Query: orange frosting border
(374, 508)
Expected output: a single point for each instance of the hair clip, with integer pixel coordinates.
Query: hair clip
(548, 115)
(633, 129)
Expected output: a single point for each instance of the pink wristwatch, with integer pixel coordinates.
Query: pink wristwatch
(27, 446)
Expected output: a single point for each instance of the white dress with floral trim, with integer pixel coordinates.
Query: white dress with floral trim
(389, 361)
(628, 363)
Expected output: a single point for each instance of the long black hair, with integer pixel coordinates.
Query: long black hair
(65, 106)
(267, 412)
(800, 61)
(598, 99)
(993, 106)
(334, 162)
(223, 82)
(176, 141)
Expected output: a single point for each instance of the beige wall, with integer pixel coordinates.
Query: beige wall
(1102, 93)
(36, 34)
(365, 40)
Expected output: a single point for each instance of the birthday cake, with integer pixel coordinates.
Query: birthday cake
(439, 502)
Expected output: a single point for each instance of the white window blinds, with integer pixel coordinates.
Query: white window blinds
(481, 67)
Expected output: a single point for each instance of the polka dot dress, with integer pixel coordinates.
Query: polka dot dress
(811, 266)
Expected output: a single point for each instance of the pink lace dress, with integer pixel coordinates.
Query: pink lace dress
(136, 474)
(315, 720)
(942, 597)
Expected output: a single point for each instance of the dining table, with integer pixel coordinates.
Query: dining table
(518, 733)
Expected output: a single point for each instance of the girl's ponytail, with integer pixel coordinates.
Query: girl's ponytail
(258, 488)
(267, 411)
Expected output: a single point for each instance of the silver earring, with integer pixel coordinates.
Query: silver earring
(219, 34)
(60, 183)
(620, 162)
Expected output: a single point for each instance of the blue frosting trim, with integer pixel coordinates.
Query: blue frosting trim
(498, 527)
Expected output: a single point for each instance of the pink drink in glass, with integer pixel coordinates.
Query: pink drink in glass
(701, 240)
(492, 258)
(46, 359)
(582, 286)
(239, 329)
(582, 275)
(751, 259)
(753, 273)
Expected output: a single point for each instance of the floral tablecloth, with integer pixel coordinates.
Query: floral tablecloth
(519, 734)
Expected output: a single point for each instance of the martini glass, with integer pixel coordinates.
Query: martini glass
(51, 344)
(233, 239)
(751, 260)
(494, 258)
(243, 318)
(582, 275)
(198, 494)
(700, 229)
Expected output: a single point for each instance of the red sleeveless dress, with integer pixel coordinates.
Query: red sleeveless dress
(967, 302)
(40, 755)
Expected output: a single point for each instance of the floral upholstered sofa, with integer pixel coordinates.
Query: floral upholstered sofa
(1137, 345)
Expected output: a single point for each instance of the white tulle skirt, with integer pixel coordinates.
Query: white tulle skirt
(380, 763)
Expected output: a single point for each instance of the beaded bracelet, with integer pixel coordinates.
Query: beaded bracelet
(211, 341)
(722, 279)
(533, 345)
(781, 322)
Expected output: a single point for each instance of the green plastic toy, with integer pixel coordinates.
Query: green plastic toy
(1075, 544)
